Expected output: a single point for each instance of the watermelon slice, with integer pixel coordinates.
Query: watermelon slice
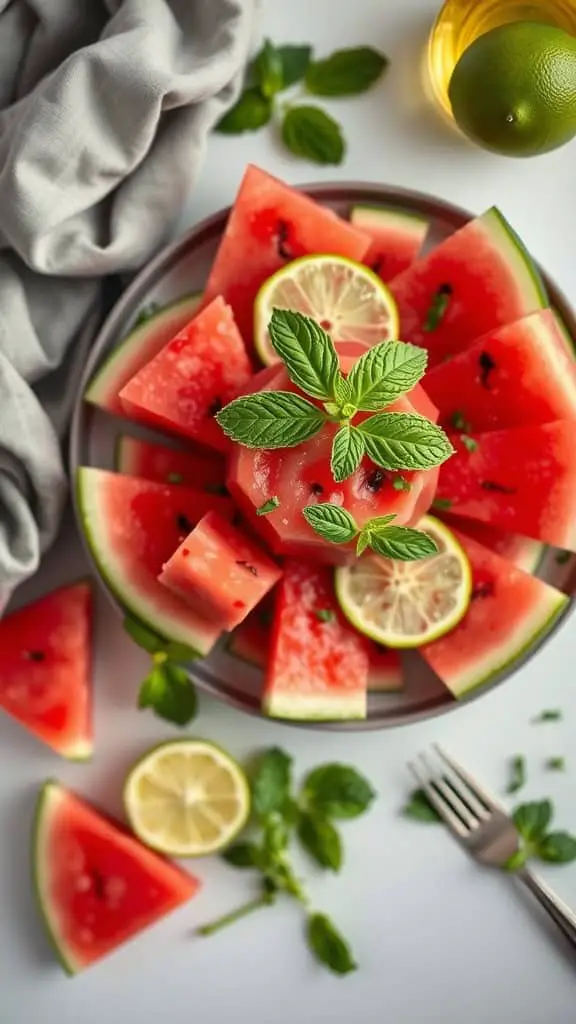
(517, 375)
(169, 465)
(508, 612)
(220, 571)
(523, 552)
(132, 527)
(271, 224)
(45, 669)
(97, 886)
(565, 334)
(138, 348)
(317, 668)
(521, 480)
(478, 279)
(397, 237)
(202, 369)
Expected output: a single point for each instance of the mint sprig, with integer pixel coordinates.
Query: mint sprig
(336, 524)
(167, 689)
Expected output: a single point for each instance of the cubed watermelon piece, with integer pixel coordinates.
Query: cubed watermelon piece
(170, 465)
(220, 571)
(509, 611)
(271, 224)
(478, 279)
(521, 480)
(397, 237)
(318, 665)
(514, 376)
(202, 369)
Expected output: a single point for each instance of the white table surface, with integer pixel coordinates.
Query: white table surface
(439, 941)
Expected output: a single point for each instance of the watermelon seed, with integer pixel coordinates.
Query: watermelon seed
(375, 480)
(35, 655)
(491, 485)
(215, 407)
(317, 489)
(482, 590)
(281, 240)
(377, 265)
(184, 524)
(99, 883)
(487, 365)
(248, 567)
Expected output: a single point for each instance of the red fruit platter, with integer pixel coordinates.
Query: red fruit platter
(155, 499)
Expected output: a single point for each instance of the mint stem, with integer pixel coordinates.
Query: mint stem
(234, 915)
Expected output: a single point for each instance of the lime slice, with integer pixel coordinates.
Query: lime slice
(345, 297)
(187, 798)
(407, 604)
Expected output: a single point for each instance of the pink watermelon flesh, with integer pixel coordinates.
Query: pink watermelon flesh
(220, 571)
(133, 527)
(514, 376)
(202, 369)
(521, 480)
(397, 237)
(508, 612)
(169, 465)
(270, 225)
(45, 669)
(524, 553)
(134, 351)
(477, 280)
(317, 669)
(97, 885)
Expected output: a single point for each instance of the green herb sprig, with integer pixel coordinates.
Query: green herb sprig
(329, 793)
(306, 129)
(167, 689)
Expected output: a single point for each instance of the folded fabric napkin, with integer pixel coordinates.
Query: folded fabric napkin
(104, 112)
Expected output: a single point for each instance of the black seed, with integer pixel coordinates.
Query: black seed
(317, 489)
(236, 519)
(215, 407)
(265, 617)
(487, 365)
(282, 248)
(99, 883)
(482, 590)
(491, 485)
(375, 480)
(445, 289)
(248, 567)
(376, 267)
(184, 524)
(35, 655)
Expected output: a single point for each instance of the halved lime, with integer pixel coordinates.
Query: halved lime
(187, 798)
(346, 298)
(407, 604)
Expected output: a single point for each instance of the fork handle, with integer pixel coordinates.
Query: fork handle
(560, 913)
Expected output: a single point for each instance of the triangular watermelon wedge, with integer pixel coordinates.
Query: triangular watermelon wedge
(397, 237)
(96, 884)
(478, 279)
(45, 669)
(509, 611)
(521, 480)
(523, 552)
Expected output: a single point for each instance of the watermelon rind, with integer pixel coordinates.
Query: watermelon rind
(134, 601)
(117, 369)
(317, 707)
(50, 797)
(527, 275)
(366, 217)
(565, 334)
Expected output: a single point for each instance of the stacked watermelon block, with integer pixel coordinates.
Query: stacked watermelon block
(220, 571)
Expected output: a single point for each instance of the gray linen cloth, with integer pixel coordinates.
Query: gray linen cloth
(105, 106)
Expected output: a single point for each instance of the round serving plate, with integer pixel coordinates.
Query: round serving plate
(182, 268)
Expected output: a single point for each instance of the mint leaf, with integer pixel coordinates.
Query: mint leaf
(268, 506)
(243, 855)
(378, 523)
(384, 373)
(346, 72)
(532, 819)
(469, 443)
(307, 351)
(271, 782)
(337, 791)
(438, 307)
(251, 112)
(332, 522)
(403, 544)
(276, 835)
(322, 840)
(270, 419)
(324, 614)
(295, 61)
(180, 652)
(347, 452)
(517, 774)
(328, 946)
(143, 636)
(397, 440)
(400, 484)
(548, 715)
(170, 693)
(557, 848)
(419, 808)
(362, 543)
(442, 504)
(458, 421)
(311, 133)
(556, 764)
(174, 478)
(268, 70)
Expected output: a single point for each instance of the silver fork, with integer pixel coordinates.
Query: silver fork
(482, 826)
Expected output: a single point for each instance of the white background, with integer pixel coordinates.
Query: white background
(439, 940)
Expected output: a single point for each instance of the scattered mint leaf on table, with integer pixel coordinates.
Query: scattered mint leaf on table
(346, 72)
(328, 946)
(548, 715)
(419, 808)
(272, 782)
(295, 61)
(517, 774)
(250, 112)
(269, 506)
(385, 373)
(142, 636)
(307, 352)
(338, 791)
(556, 764)
(243, 855)
(268, 70)
(170, 693)
(532, 819)
(347, 452)
(310, 132)
(557, 848)
(270, 419)
(321, 839)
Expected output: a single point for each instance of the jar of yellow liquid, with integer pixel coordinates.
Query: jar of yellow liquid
(460, 22)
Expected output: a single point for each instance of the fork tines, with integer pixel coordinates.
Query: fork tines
(459, 799)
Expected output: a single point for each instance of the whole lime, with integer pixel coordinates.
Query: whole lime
(514, 89)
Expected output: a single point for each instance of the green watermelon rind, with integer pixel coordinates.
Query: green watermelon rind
(552, 606)
(315, 707)
(569, 342)
(147, 614)
(51, 791)
(111, 375)
(506, 237)
(364, 215)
